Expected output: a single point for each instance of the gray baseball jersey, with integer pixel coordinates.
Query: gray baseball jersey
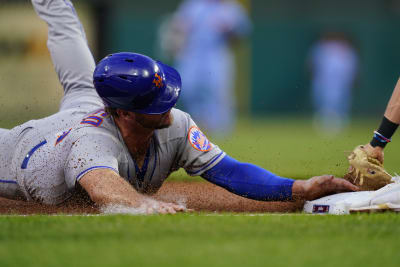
(44, 159)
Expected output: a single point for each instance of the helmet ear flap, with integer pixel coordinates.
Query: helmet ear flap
(137, 83)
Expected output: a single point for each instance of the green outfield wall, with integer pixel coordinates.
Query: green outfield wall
(283, 33)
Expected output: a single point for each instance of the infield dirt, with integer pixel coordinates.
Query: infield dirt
(199, 196)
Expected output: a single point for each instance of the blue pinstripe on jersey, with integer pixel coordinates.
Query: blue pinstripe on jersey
(92, 168)
(7, 181)
(24, 164)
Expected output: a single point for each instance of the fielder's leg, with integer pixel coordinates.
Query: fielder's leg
(70, 53)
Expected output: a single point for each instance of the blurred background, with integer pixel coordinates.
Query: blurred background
(289, 48)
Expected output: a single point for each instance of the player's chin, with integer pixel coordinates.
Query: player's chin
(162, 126)
(165, 123)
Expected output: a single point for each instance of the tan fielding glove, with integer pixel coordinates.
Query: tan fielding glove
(366, 172)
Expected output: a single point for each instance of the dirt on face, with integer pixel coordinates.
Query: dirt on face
(200, 196)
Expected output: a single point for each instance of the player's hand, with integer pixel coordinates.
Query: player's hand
(320, 186)
(159, 207)
(374, 152)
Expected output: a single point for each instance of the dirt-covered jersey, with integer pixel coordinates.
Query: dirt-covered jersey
(50, 163)
(46, 158)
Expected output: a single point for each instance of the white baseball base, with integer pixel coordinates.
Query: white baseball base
(386, 198)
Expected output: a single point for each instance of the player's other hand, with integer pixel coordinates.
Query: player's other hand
(320, 186)
(374, 152)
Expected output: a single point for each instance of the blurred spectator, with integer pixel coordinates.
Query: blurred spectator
(334, 63)
(202, 31)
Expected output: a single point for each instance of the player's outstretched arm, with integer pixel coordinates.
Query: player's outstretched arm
(389, 125)
(105, 187)
(253, 182)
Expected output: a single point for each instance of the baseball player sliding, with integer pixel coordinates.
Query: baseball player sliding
(118, 136)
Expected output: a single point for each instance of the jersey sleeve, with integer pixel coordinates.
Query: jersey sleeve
(96, 150)
(196, 153)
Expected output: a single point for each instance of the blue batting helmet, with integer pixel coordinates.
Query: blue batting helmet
(137, 83)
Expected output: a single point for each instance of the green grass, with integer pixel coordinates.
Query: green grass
(291, 147)
(200, 240)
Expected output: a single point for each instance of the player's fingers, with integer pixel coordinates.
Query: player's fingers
(162, 209)
(171, 210)
(176, 207)
(374, 152)
(381, 158)
(179, 207)
(342, 185)
(167, 208)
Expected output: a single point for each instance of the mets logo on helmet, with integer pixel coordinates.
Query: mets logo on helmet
(198, 140)
(158, 81)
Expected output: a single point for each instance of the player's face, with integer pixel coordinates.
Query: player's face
(157, 121)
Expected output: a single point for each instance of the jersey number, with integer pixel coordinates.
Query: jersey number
(95, 119)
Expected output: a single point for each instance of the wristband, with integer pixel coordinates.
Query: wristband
(383, 135)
